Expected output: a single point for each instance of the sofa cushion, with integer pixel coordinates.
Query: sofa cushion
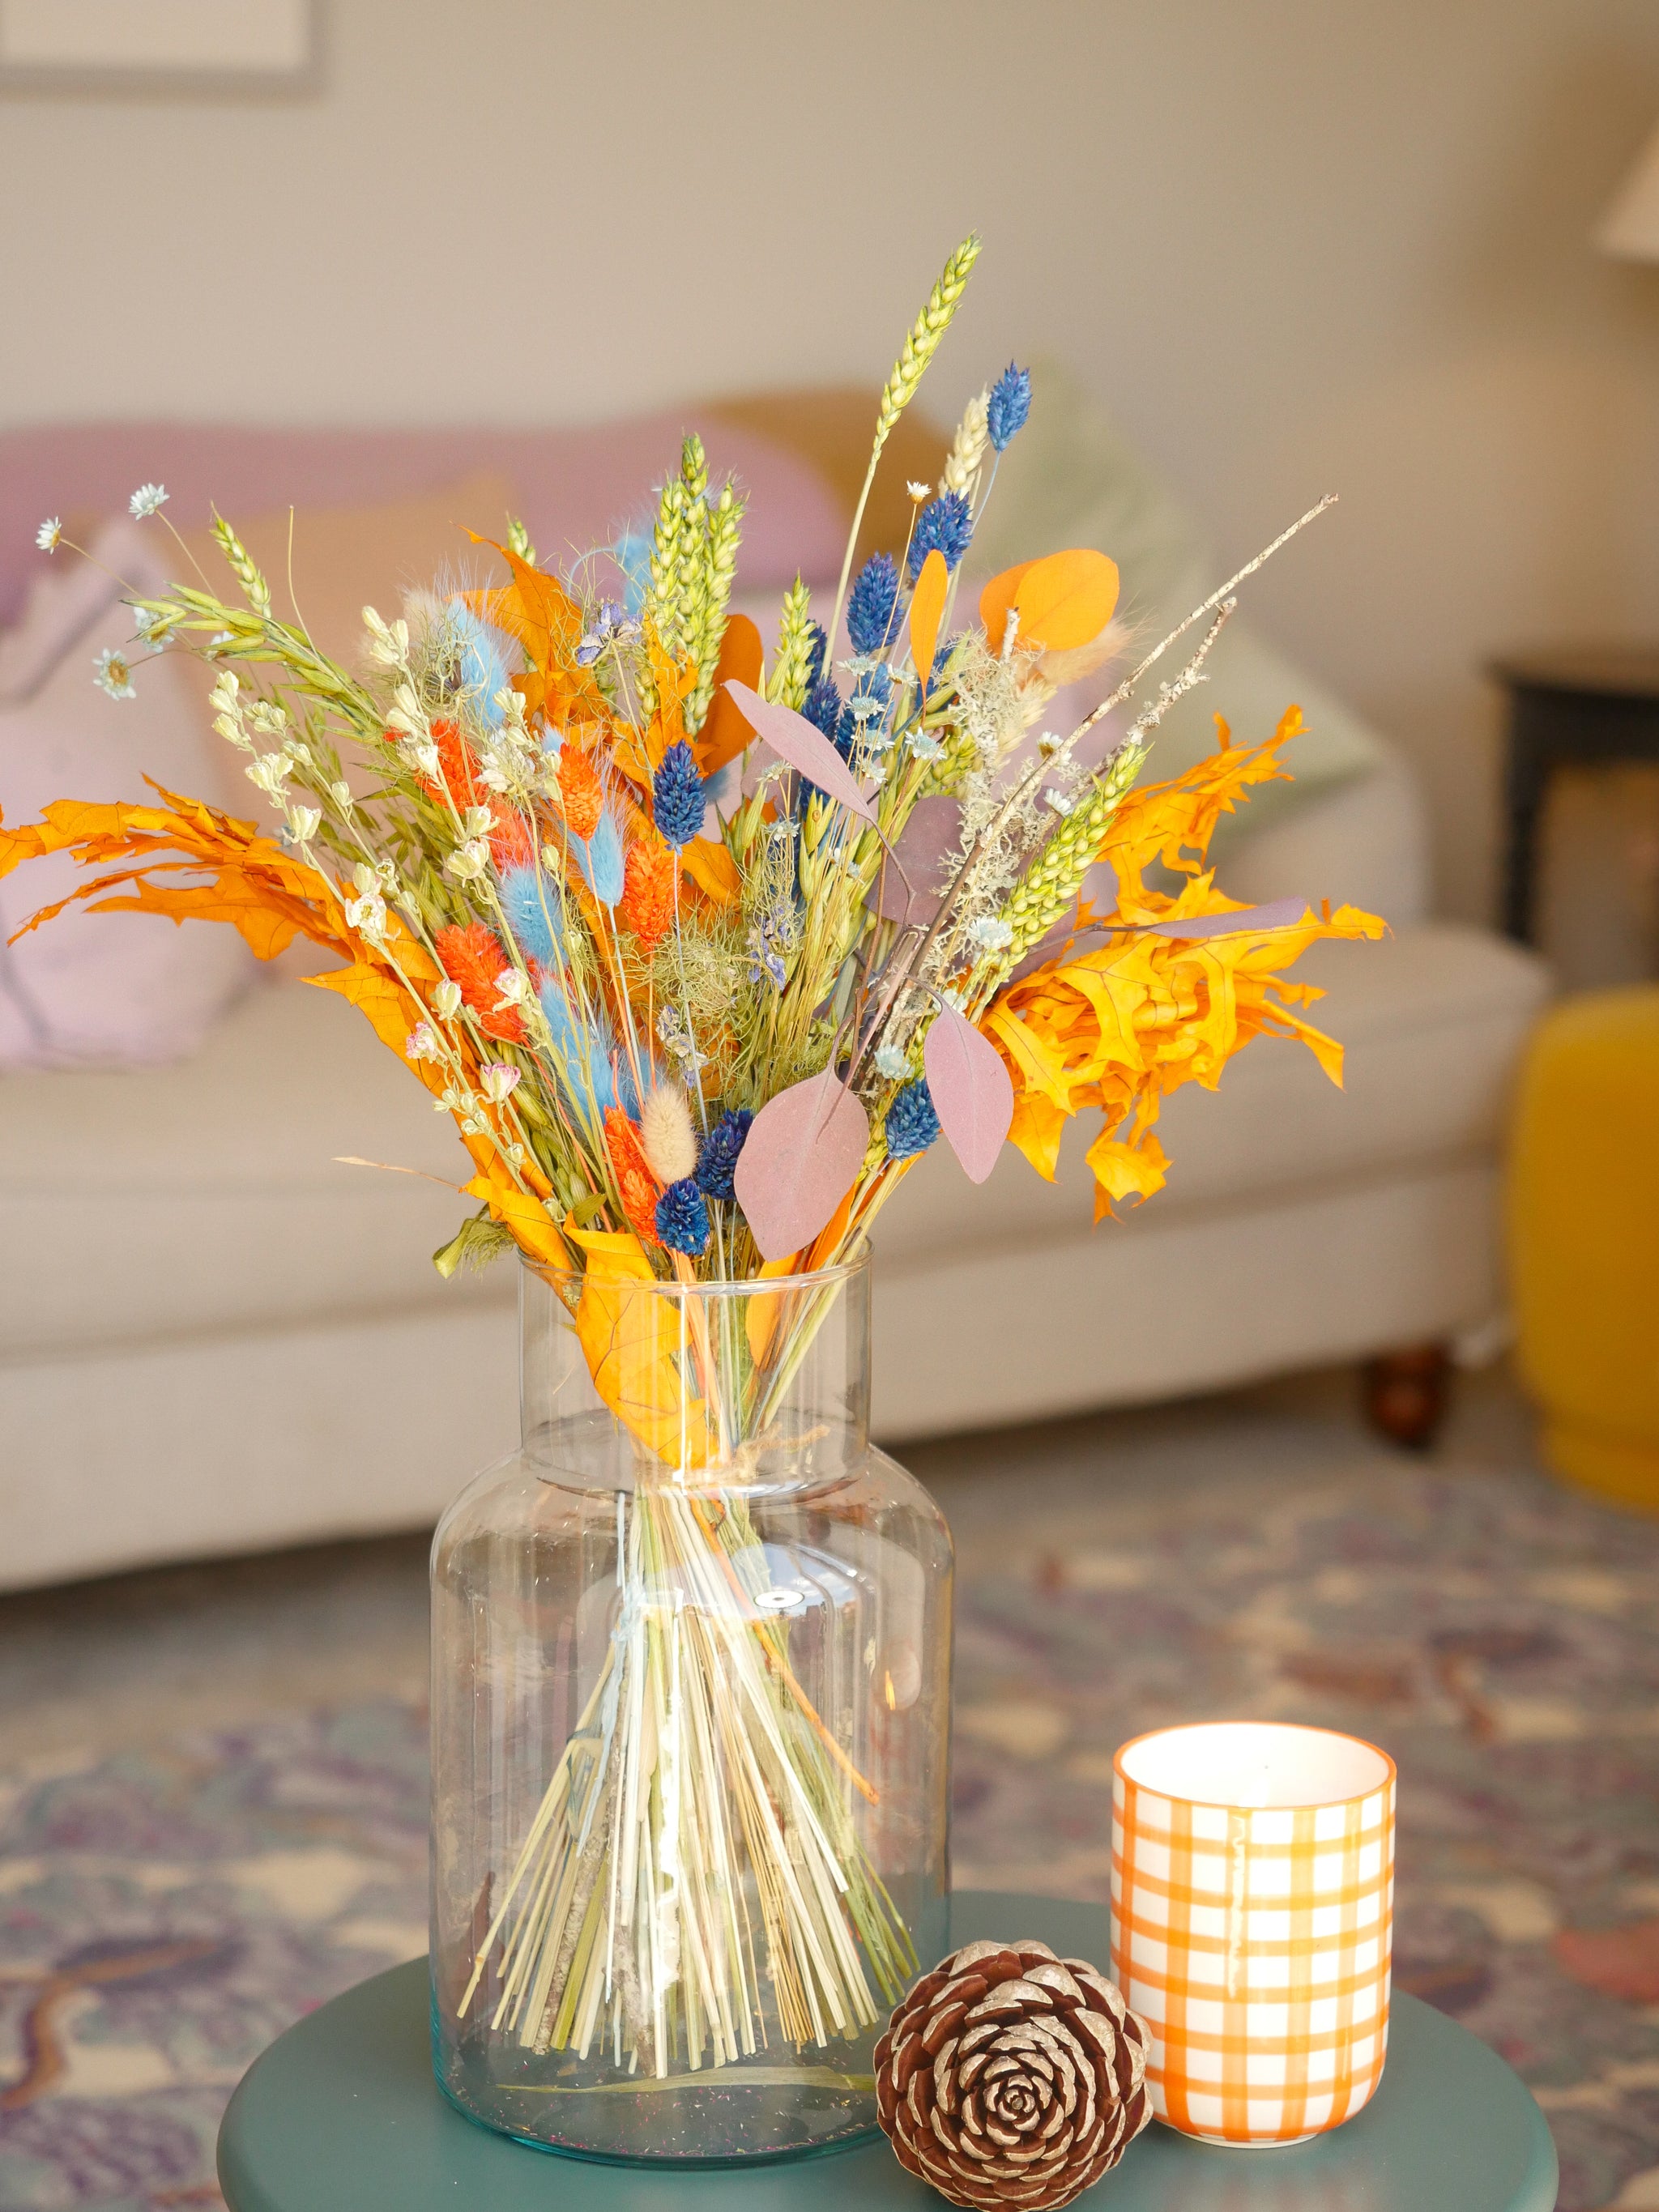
(204, 1198)
(104, 988)
(1071, 479)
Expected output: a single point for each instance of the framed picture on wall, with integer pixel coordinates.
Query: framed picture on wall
(248, 46)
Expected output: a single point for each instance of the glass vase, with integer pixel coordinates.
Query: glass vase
(690, 1705)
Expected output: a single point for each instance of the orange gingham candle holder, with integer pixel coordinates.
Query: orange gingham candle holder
(1252, 1919)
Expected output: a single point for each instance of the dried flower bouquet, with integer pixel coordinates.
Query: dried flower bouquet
(638, 907)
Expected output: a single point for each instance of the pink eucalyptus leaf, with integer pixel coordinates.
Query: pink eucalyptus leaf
(793, 738)
(972, 1090)
(932, 832)
(1278, 913)
(799, 1162)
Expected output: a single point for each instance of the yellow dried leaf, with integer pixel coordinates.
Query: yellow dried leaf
(629, 1335)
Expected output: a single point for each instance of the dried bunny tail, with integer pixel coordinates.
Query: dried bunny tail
(973, 435)
(665, 1132)
(1041, 675)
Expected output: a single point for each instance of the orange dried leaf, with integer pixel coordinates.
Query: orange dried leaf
(1065, 600)
(995, 601)
(725, 732)
(926, 611)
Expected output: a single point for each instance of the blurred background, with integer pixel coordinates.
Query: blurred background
(1408, 252)
(1296, 247)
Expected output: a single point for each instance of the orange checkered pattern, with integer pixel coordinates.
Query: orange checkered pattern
(1256, 1945)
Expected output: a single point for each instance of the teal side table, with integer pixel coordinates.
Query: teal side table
(342, 2115)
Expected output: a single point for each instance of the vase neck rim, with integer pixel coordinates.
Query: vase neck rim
(560, 1280)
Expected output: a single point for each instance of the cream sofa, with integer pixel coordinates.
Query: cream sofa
(214, 1338)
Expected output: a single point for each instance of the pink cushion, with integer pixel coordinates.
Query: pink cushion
(577, 486)
(92, 988)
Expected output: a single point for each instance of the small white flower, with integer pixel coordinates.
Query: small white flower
(267, 715)
(516, 1156)
(114, 674)
(49, 535)
(454, 1100)
(269, 772)
(477, 821)
(920, 492)
(891, 1064)
(366, 915)
(388, 643)
(446, 1000)
(223, 694)
(500, 1081)
(1049, 742)
(421, 1044)
(1061, 801)
(925, 744)
(232, 731)
(367, 879)
(468, 861)
(145, 620)
(148, 498)
(341, 794)
(426, 760)
(990, 931)
(513, 988)
(494, 779)
(304, 823)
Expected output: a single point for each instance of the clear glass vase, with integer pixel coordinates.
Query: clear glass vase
(690, 1706)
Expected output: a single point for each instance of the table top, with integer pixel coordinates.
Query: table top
(1614, 671)
(343, 2110)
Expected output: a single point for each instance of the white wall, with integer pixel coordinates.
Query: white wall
(1297, 243)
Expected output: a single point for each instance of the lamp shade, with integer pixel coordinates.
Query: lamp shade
(1630, 228)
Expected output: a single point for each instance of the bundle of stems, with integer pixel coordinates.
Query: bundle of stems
(692, 1888)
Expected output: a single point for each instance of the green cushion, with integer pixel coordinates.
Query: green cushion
(1069, 479)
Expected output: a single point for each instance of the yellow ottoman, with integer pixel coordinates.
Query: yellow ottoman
(1583, 1222)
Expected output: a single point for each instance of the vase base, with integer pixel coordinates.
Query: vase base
(716, 2114)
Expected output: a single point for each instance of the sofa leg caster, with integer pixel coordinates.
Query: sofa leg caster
(1407, 1395)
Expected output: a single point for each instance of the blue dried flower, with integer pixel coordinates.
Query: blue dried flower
(676, 795)
(872, 604)
(912, 1124)
(945, 525)
(534, 915)
(718, 1162)
(817, 647)
(683, 1218)
(1008, 406)
(822, 706)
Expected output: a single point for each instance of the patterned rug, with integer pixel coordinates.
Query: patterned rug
(162, 1916)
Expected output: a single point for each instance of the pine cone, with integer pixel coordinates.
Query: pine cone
(1009, 2076)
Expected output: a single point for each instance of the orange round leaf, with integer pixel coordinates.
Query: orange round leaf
(997, 597)
(1065, 600)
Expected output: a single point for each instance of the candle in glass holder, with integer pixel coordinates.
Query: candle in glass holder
(1252, 1910)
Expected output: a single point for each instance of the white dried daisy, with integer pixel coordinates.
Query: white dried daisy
(148, 500)
(49, 535)
(113, 672)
